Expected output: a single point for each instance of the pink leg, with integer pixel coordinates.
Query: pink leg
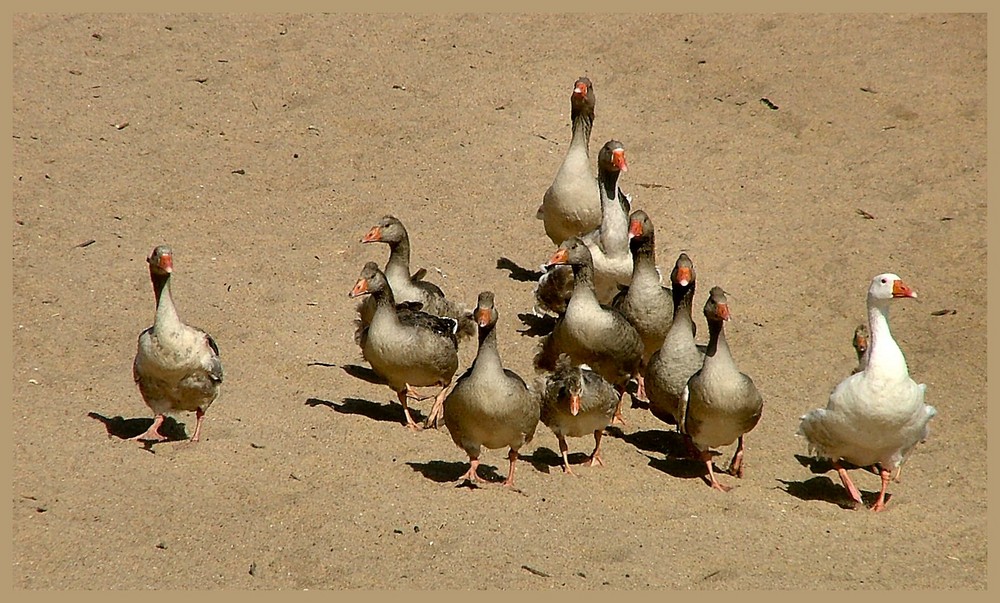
(200, 416)
(706, 456)
(406, 411)
(564, 450)
(153, 433)
(437, 411)
(736, 466)
(595, 457)
(880, 502)
(472, 474)
(414, 395)
(618, 418)
(640, 392)
(852, 490)
(513, 462)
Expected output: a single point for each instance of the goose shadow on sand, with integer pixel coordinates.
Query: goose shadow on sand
(390, 412)
(125, 429)
(675, 460)
(824, 488)
(444, 472)
(518, 273)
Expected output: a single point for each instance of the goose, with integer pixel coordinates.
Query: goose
(571, 205)
(588, 332)
(407, 288)
(577, 402)
(723, 404)
(177, 367)
(860, 343)
(645, 302)
(408, 348)
(669, 368)
(608, 244)
(875, 417)
(490, 405)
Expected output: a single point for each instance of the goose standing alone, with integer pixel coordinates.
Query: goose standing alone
(577, 402)
(177, 367)
(723, 404)
(588, 332)
(670, 367)
(490, 406)
(408, 348)
(571, 205)
(646, 303)
(875, 417)
(407, 287)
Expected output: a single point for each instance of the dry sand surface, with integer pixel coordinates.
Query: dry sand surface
(263, 147)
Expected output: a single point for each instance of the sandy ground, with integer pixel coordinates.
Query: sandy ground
(262, 148)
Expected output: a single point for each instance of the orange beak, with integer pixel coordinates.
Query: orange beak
(482, 317)
(574, 404)
(618, 159)
(167, 263)
(683, 276)
(723, 311)
(901, 289)
(860, 342)
(375, 234)
(561, 256)
(634, 229)
(360, 288)
(580, 90)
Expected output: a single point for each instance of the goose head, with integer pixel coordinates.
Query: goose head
(388, 230)
(889, 286)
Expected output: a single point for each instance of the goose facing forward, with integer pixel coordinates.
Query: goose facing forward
(571, 205)
(577, 402)
(875, 417)
(588, 332)
(490, 405)
(723, 404)
(177, 367)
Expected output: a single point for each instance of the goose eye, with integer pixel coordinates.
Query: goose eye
(884, 281)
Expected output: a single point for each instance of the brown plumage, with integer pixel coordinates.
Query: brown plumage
(407, 288)
(490, 406)
(577, 402)
(588, 332)
(408, 348)
(723, 404)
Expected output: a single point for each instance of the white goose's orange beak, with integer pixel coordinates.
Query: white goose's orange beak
(901, 289)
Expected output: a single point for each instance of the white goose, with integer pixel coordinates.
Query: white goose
(876, 416)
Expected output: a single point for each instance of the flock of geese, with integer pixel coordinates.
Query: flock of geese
(616, 326)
